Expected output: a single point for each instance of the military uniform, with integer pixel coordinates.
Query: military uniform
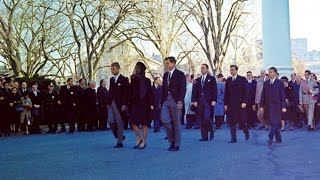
(50, 109)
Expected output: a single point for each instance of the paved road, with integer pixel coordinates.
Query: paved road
(91, 156)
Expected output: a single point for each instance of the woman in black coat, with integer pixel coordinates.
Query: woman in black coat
(14, 102)
(140, 100)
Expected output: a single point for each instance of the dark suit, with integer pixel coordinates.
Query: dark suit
(156, 97)
(21, 91)
(176, 87)
(204, 92)
(4, 106)
(67, 97)
(81, 107)
(118, 92)
(91, 108)
(103, 100)
(235, 95)
(174, 90)
(273, 99)
(250, 115)
(36, 99)
(50, 109)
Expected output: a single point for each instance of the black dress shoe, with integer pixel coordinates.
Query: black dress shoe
(232, 141)
(137, 145)
(119, 145)
(171, 146)
(174, 148)
(211, 137)
(261, 127)
(310, 128)
(143, 147)
(70, 132)
(283, 130)
(247, 136)
(203, 139)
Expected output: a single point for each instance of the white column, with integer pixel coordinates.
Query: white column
(276, 35)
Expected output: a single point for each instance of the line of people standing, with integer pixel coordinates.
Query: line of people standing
(204, 102)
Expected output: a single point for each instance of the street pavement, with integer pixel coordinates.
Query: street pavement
(90, 155)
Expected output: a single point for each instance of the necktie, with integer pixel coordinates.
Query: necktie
(202, 81)
(233, 78)
(271, 82)
(169, 77)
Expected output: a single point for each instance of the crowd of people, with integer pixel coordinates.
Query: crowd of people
(265, 102)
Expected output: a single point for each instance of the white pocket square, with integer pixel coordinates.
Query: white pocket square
(209, 80)
(119, 84)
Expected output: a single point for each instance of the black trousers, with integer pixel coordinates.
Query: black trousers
(233, 128)
(5, 121)
(219, 121)
(92, 118)
(102, 118)
(204, 114)
(70, 116)
(251, 116)
(81, 122)
(275, 132)
(191, 119)
(61, 117)
(52, 120)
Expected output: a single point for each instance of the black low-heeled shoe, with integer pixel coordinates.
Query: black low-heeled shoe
(137, 146)
(143, 147)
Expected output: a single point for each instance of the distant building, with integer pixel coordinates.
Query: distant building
(157, 57)
(299, 48)
(313, 55)
(299, 51)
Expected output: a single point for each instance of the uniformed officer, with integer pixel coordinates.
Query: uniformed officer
(50, 108)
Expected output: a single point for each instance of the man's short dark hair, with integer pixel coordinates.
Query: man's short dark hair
(156, 78)
(206, 65)
(81, 80)
(307, 71)
(69, 79)
(274, 69)
(116, 65)
(220, 76)
(235, 67)
(249, 72)
(171, 59)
